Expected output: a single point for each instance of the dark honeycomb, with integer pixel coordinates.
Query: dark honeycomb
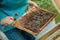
(35, 19)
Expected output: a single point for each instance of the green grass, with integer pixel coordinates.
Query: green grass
(47, 4)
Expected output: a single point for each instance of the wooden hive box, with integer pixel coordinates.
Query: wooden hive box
(52, 34)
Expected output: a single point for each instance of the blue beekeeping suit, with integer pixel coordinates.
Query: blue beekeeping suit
(9, 8)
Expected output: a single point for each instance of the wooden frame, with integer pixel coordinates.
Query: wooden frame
(17, 24)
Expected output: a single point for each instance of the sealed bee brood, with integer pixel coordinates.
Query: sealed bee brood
(34, 20)
(52, 34)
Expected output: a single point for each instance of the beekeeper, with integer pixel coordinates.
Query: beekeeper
(7, 9)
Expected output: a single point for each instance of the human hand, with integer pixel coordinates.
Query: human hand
(32, 4)
(7, 20)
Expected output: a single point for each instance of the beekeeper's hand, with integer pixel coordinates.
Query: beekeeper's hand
(32, 4)
(7, 20)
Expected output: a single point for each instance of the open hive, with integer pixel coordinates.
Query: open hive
(34, 20)
(52, 34)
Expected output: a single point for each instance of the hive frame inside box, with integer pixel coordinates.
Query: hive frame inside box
(49, 32)
(31, 31)
(55, 6)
